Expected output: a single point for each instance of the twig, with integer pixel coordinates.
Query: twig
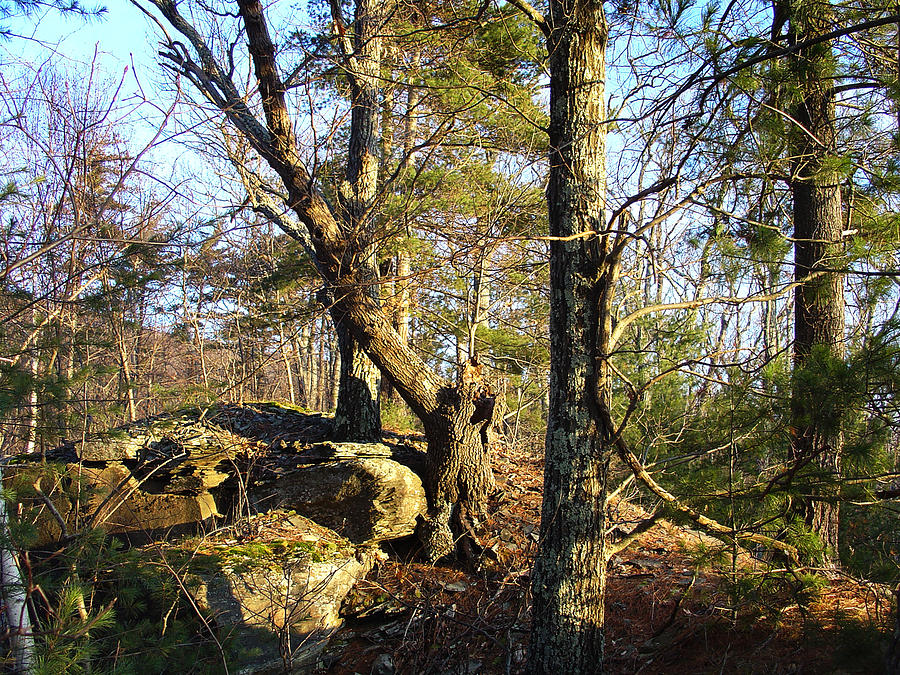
(64, 531)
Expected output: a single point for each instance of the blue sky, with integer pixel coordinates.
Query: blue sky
(119, 35)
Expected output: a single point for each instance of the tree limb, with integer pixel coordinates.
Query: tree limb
(533, 15)
(701, 302)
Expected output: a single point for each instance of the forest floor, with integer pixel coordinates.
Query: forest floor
(668, 610)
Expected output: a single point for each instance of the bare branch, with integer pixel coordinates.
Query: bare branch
(701, 302)
(535, 16)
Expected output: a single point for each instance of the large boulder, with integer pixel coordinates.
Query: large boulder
(108, 497)
(176, 470)
(356, 489)
(275, 602)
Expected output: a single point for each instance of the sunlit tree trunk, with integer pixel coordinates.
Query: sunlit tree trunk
(819, 301)
(14, 600)
(358, 413)
(569, 578)
(32, 408)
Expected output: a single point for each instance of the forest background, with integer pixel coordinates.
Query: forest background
(151, 261)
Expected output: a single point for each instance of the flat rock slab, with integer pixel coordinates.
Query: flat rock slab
(165, 437)
(287, 453)
(120, 506)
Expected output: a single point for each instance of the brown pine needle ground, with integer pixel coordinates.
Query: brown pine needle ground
(664, 613)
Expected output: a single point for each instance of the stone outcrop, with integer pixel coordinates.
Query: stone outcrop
(174, 471)
(355, 489)
(275, 602)
(170, 437)
(271, 585)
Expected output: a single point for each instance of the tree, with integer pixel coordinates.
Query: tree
(85, 254)
(13, 9)
(569, 574)
(815, 184)
(358, 414)
(453, 414)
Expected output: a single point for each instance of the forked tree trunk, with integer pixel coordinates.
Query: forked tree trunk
(819, 302)
(450, 412)
(569, 579)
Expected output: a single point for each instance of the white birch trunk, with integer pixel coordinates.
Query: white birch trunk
(15, 601)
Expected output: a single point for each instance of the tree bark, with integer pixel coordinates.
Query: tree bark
(358, 412)
(569, 577)
(819, 302)
(357, 416)
(459, 479)
(15, 602)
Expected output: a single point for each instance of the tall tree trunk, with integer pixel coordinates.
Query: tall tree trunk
(569, 577)
(308, 365)
(323, 368)
(358, 413)
(481, 299)
(297, 367)
(819, 301)
(32, 408)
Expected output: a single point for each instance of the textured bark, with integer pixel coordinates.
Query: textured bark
(819, 302)
(358, 412)
(15, 603)
(357, 416)
(459, 478)
(569, 575)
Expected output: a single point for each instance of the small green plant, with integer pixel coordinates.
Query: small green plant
(808, 588)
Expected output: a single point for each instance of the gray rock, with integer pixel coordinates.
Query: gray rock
(120, 506)
(277, 603)
(171, 470)
(363, 498)
(455, 587)
(167, 438)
